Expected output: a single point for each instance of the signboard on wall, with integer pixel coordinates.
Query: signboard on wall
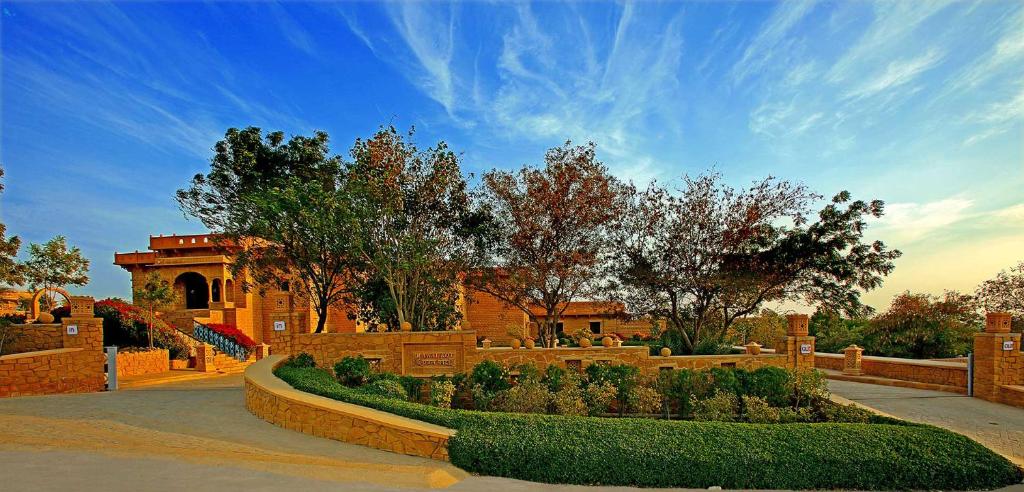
(805, 348)
(72, 329)
(430, 359)
(1008, 345)
(279, 326)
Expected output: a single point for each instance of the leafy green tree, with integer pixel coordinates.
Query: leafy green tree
(709, 255)
(53, 264)
(1005, 293)
(156, 293)
(11, 272)
(284, 206)
(764, 328)
(414, 227)
(834, 332)
(922, 326)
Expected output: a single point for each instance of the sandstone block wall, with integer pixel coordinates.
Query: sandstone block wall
(142, 362)
(273, 400)
(921, 371)
(76, 367)
(33, 337)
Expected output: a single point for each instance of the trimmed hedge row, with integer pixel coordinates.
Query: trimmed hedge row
(654, 453)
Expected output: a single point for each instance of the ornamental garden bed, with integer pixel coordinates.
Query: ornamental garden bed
(769, 428)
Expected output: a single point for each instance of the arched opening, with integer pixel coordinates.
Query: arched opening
(229, 290)
(193, 288)
(215, 290)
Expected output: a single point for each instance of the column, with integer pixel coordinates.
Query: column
(797, 346)
(853, 360)
(997, 357)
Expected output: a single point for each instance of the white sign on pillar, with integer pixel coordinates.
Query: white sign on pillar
(805, 348)
(1008, 345)
(72, 329)
(279, 326)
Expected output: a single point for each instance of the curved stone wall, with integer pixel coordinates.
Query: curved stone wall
(273, 400)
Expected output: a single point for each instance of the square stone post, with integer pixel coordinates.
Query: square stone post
(852, 361)
(797, 346)
(204, 358)
(262, 351)
(997, 357)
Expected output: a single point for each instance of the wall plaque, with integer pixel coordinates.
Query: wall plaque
(72, 329)
(1008, 345)
(805, 348)
(430, 359)
(279, 326)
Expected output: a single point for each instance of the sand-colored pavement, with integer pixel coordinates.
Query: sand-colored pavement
(999, 427)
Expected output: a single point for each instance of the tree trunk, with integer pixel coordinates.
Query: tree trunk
(321, 319)
(149, 328)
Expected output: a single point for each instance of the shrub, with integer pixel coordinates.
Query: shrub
(644, 400)
(807, 387)
(441, 393)
(659, 453)
(769, 383)
(569, 400)
(412, 386)
(487, 380)
(623, 377)
(353, 371)
(553, 377)
(726, 380)
(721, 408)
(386, 387)
(530, 396)
(598, 397)
(300, 360)
(845, 413)
(685, 386)
(757, 410)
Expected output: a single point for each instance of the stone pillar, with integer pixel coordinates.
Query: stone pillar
(997, 357)
(262, 351)
(204, 358)
(82, 329)
(797, 346)
(853, 360)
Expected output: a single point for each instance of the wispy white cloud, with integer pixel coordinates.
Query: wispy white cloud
(428, 32)
(1007, 54)
(909, 221)
(762, 50)
(896, 74)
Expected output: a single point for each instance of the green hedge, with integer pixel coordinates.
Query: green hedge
(657, 453)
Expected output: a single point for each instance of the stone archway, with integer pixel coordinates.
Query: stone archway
(193, 289)
(33, 309)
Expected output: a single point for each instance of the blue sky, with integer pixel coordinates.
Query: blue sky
(109, 108)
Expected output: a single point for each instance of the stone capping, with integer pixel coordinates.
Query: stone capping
(24, 355)
(896, 360)
(260, 376)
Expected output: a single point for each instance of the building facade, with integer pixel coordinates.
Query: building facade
(207, 292)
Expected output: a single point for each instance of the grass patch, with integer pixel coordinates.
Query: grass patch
(884, 455)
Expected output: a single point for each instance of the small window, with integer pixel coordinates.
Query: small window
(595, 327)
(215, 290)
(559, 328)
(574, 365)
(284, 286)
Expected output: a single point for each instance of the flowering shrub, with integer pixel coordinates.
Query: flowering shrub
(233, 333)
(441, 393)
(124, 325)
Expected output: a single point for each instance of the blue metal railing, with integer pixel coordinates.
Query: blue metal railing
(224, 344)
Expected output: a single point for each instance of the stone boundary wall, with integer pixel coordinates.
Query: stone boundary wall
(142, 362)
(64, 370)
(921, 371)
(273, 400)
(388, 350)
(34, 337)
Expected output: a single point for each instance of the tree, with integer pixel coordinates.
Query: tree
(764, 328)
(1005, 293)
(283, 205)
(156, 293)
(710, 254)
(11, 272)
(52, 265)
(922, 326)
(833, 332)
(552, 240)
(414, 229)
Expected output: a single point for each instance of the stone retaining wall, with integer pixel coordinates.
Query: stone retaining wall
(921, 371)
(448, 352)
(142, 362)
(64, 370)
(273, 400)
(33, 337)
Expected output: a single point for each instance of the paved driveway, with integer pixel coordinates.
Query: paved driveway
(1000, 427)
(197, 436)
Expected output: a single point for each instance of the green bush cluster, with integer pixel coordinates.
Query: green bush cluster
(883, 455)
